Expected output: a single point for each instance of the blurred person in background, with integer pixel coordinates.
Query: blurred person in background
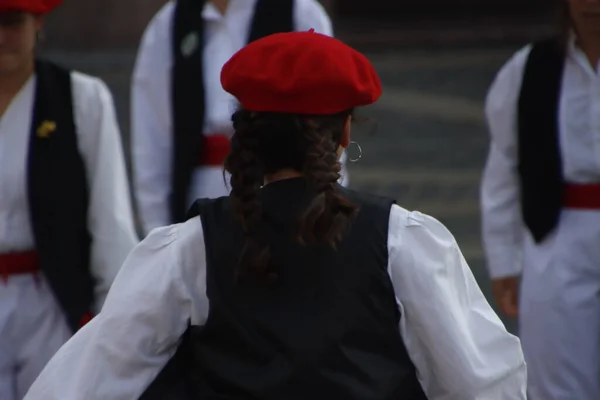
(293, 287)
(66, 222)
(541, 203)
(180, 114)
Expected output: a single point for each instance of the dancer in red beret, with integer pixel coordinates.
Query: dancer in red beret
(293, 287)
(66, 221)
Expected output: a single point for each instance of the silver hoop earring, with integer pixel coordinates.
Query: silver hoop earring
(359, 156)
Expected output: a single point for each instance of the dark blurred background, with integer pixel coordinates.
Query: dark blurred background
(436, 59)
(93, 25)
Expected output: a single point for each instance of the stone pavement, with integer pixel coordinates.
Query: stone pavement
(424, 143)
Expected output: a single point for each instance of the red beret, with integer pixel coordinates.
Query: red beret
(30, 6)
(300, 73)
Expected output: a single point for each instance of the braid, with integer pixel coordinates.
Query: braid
(265, 143)
(246, 181)
(329, 215)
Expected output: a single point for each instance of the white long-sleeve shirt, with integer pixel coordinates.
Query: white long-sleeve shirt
(110, 216)
(579, 135)
(460, 348)
(152, 121)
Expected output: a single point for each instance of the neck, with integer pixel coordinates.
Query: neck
(281, 175)
(12, 82)
(590, 44)
(221, 5)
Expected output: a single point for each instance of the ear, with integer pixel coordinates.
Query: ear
(345, 139)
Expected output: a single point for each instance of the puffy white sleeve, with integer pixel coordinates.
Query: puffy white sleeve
(110, 215)
(502, 226)
(159, 290)
(151, 122)
(459, 346)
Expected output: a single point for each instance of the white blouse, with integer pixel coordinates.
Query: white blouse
(579, 137)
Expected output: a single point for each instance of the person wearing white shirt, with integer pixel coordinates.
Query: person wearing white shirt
(66, 219)
(293, 287)
(181, 117)
(540, 201)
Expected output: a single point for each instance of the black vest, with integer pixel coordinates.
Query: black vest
(58, 194)
(188, 100)
(540, 164)
(327, 329)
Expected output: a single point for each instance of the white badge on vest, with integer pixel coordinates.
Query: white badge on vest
(190, 44)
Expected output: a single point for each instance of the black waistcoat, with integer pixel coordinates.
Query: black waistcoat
(327, 329)
(187, 84)
(539, 158)
(58, 194)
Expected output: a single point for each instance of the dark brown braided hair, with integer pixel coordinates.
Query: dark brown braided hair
(264, 143)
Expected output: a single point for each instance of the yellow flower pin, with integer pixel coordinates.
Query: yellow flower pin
(46, 128)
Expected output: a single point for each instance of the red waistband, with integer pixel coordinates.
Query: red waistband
(21, 263)
(582, 196)
(215, 149)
